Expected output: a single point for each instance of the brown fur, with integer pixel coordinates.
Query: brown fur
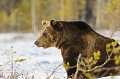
(74, 38)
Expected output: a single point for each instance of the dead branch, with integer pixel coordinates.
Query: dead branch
(42, 68)
(54, 71)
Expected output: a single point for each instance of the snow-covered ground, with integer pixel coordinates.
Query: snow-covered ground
(39, 62)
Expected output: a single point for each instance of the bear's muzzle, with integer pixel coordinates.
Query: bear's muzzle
(36, 43)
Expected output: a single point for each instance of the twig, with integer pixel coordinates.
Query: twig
(12, 68)
(54, 71)
(75, 77)
(42, 68)
(108, 69)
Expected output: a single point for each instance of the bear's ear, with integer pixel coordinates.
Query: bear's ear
(53, 22)
(43, 22)
(56, 24)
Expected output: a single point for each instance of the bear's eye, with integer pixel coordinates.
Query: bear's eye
(44, 34)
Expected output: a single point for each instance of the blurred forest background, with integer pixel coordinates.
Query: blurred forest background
(26, 15)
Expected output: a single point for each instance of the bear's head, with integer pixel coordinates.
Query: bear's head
(50, 34)
(62, 34)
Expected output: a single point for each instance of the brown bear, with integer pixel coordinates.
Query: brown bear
(74, 38)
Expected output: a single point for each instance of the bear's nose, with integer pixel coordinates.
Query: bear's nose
(36, 42)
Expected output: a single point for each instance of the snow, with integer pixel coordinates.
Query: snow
(39, 62)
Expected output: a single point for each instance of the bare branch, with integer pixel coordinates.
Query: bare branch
(42, 68)
(75, 77)
(54, 71)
